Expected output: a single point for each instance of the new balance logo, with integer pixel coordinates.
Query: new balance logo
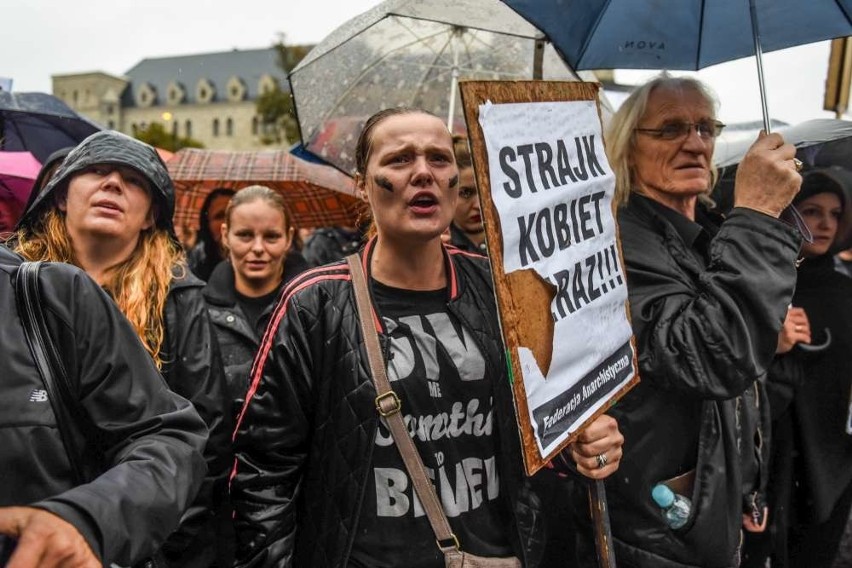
(38, 395)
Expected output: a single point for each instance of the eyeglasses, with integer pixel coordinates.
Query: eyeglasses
(706, 130)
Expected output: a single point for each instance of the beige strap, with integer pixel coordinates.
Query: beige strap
(389, 406)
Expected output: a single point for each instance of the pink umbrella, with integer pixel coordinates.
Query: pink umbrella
(18, 171)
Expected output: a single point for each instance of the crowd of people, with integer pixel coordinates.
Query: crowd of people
(221, 404)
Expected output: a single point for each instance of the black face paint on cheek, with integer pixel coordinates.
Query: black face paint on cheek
(454, 180)
(383, 182)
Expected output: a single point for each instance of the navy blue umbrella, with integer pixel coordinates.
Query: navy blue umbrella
(40, 124)
(681, 34)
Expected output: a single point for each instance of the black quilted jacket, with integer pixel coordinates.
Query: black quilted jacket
(304, 438)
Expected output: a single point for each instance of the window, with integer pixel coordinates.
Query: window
(176, 93)
(111, 125)
(215, 127)
(187, 129)
(254, 122)
(229, 127)
(76, 97)
(205, 91)
(236, 89)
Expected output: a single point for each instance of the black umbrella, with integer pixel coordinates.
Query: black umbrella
(40, 124)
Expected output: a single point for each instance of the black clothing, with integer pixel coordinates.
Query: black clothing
(238, 331)
(254, 308)
(192, 367)
(237, 335)
(147, 439)
(202, 261)
(811, 467)
(459, 239)
(305, 437)
(821, 401)
(705, 334)
(330, 244)
(436, 368)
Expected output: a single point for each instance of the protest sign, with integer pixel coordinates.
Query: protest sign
(547, 200)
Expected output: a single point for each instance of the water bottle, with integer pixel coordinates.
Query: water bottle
(676, 507)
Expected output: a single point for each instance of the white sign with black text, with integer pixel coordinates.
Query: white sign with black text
(553, 189)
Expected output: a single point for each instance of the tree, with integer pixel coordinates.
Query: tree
(156, 135)
(275, 106)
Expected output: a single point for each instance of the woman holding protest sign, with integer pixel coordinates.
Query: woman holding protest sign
(707, 298)
(318, 480)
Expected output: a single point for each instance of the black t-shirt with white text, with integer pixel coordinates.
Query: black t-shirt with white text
(437, 370)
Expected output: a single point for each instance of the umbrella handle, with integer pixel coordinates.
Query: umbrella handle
(758, 54)
(811, 348)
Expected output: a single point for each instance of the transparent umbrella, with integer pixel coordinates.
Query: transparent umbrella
(411, 53)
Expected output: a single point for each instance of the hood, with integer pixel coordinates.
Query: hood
(111, 147)
(47, 168)
(834, 180)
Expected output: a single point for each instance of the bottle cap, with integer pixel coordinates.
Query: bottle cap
(662, 496)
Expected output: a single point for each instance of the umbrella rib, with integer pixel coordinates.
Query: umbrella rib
(846, 13)
(438, 55)
(591, 33)
(20, 134)
(476, 38)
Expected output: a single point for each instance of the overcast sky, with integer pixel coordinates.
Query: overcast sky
(46, 37)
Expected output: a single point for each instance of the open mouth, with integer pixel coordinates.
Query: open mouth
(423, 203)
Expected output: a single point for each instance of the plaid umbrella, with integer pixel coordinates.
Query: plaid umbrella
(315, 195)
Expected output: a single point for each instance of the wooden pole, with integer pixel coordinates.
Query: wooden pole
(603, 530)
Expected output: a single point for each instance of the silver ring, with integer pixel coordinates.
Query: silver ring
(798, 163)
(602, 460)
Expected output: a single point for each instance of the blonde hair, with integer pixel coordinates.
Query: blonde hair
(139, 284)
(621, 135)
(254, 193)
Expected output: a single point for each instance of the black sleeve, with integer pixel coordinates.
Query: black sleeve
(150, 438)
(712, 335)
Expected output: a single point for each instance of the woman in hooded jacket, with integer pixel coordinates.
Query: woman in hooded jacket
(108, 209)
(810, 485)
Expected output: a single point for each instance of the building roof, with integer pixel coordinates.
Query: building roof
(249, 65)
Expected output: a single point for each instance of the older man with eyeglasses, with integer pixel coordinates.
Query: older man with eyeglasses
(708, 297)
